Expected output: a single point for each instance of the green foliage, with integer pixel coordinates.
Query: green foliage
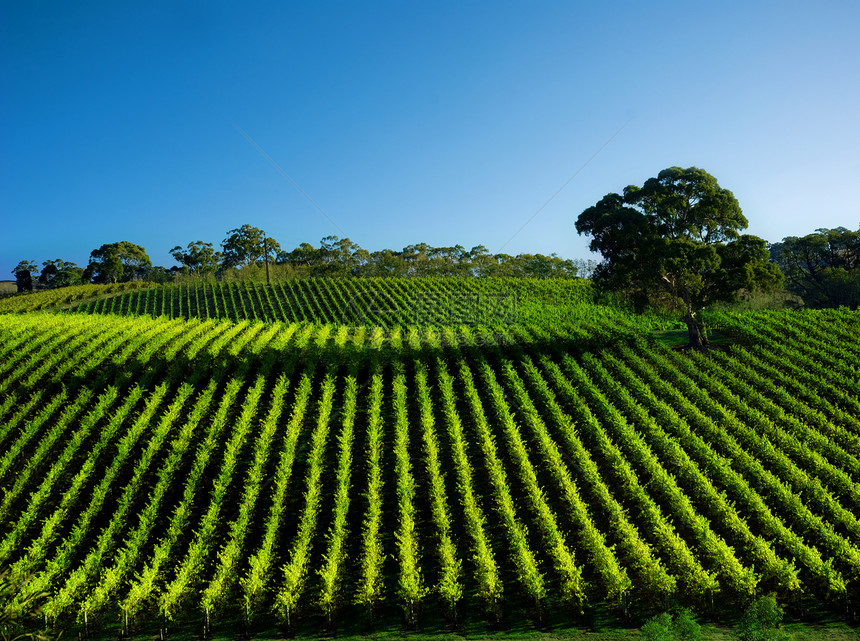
(244, 246)
(60, 273)
(823, 267)
(54, 273)
(59, 298)
(19, 620)
(28, 266)
(160, 275)
(675, 243)
(24, 281)
(198, 257)
(339, 257)
(24, 272)
(156, 467)
(658, 628)
(366, 301)
(685, 626)
(118, 262)
(665, 627)
(761, 622)
(751, 301)
(342, 257)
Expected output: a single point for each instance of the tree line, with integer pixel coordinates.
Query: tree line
(674, 243)
(248, 250)
(822, 268)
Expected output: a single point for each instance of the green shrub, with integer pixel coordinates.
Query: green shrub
(761, 622)
(685, 626)
(658, 628)
(664, 627)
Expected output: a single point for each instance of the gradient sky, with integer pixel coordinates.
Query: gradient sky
(439, 122)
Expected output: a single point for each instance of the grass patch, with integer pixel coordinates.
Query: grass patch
(680, 338)
(8, 287)
(709, 632)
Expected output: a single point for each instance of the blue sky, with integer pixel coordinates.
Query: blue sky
(438, 122)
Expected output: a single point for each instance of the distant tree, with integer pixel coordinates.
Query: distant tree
(502, 265)
(339, 256)
(305, 254)
(540, 266)
(584, 267)
(69, 275)
(417, 260)
(199, 257)
(481, 261)
(49, 270)
(27, 265)
(675, 243)
(360, 259)
(24, 272)
(161, 275)
(118, 262)
(342, 257)
(448, 261)
(60, 273)
(247, 246)
(823, 268)
(384, 263)
(523, 266)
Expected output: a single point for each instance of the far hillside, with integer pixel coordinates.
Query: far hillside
(385, 302)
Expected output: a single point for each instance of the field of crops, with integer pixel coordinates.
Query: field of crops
(383, 302)
(172, 468)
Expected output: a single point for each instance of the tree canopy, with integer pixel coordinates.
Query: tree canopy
(675, 243)
(26, 266)
(823, 268)
(24, 272)
(198, 257)
(60, 273)
(117, 262)
(247, 246)
(342, 257)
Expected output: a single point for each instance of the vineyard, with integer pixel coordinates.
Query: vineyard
(383, 302)
(302, 454)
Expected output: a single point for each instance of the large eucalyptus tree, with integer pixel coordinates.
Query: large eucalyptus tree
(675, 243)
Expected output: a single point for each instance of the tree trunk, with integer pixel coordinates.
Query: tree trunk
(697, 341)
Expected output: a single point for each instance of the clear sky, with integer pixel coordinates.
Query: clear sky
(409, 121)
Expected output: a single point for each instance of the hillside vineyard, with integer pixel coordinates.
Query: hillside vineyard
(223, 463)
